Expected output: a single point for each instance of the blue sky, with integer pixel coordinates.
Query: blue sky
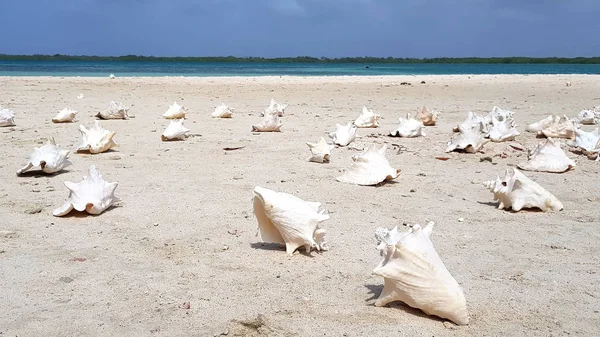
(331, 28)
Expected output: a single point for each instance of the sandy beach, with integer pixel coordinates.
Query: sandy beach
(180, 255)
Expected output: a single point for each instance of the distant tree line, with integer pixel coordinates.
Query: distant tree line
(308, 59)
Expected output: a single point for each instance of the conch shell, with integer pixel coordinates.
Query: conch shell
(222, 111)
(409, 127)
(541, 125)
(414, 274)
(370, 167)
(92, 194)
(286, 219)
(587, 143)
(428, 118)
(588, 117)
(367, 119)
(344, 134)
(269, 123)
(96, 139)
(48, 157)
(112, 76)
(320, 151)
(547, 157)
(274, 107)
(501, 114)
(80, 96)
(469, 139)
(482, 122)
(65, 115)
(175, 131)
(562, 127)
(7, 117)
(502, 130)
(115, 111)
(516, 191)
(175, 111)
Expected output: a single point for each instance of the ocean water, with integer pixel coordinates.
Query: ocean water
(127, 68)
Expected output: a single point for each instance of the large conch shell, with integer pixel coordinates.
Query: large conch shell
(320, 151)
(482, 122)
(269, 123)
(547, 157)
(428, 118)
(175, 111)
(65, 115)
(96, 139)
(588, 117)
(7, 117)
(469, 139)
(367, 119)
(370, 167)
(561, 127)
(541, 125)
(48, 157)
(286, 219)
(222, 111)
(115, 110)
(409, 127)
(516, 191)
(587, 143)
(502, 130)
(344, 134)
(274, 107)
(175, 131)
(92, 194)
(413, 273)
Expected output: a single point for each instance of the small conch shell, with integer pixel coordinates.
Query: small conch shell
(223, 111)
(80, 96)
(96, 139)
(587, 143)
(469, 139)
(367, 119)
(285, 219)
(65, 115)
(274, 107)
(561, 127)
(414, 273)
(320, 151)
(539, 126)
(409, 127)
(175, 131)
(7, 117)
(269, 123)
(516, 191)
(502, 130)
(48, 157)
(175, 111)
(111, 76)
(427, 117)
(370, 167)
(588, 117)
(115, 110)
(547, 157)
(92, 194)
(344, 134)
(483, 122)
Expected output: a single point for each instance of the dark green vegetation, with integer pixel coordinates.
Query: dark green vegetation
(308, 59)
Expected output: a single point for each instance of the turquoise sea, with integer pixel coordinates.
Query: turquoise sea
(149, 68)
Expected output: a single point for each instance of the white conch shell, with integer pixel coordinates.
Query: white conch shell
(274, 107)
(48, 157)
(483, 122)
(111, 76)
(115, 110)
(367, 119)
(587, 143)
(539, 126)
(344, 134)
(547, 157)
(223, 111)
(500, 114)
(370, 167)
(285, 219)
(469, 139)
(428, 118)
(175, 111)
(7, 117)
(516, 191)
(414, 274)
(588, 117)
(320, 151)
(175, 131)
(80, 96)
(92, 194)
(96, 139)
(269, 123)
(409, 127)
(65, 115)
(502, 130)
(561, 127)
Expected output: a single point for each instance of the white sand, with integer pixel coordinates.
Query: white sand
(523, 274)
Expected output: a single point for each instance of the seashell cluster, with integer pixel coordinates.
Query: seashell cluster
(65, 115)
(320, 151)
(370, 167)
(49, 158)
(115, 110)
(547, 156)
(367, 119)
(222, 111)
(343, 134)
(175, 111)
(7, 117)
(409, 128)
(96, 139)
(175, 131)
